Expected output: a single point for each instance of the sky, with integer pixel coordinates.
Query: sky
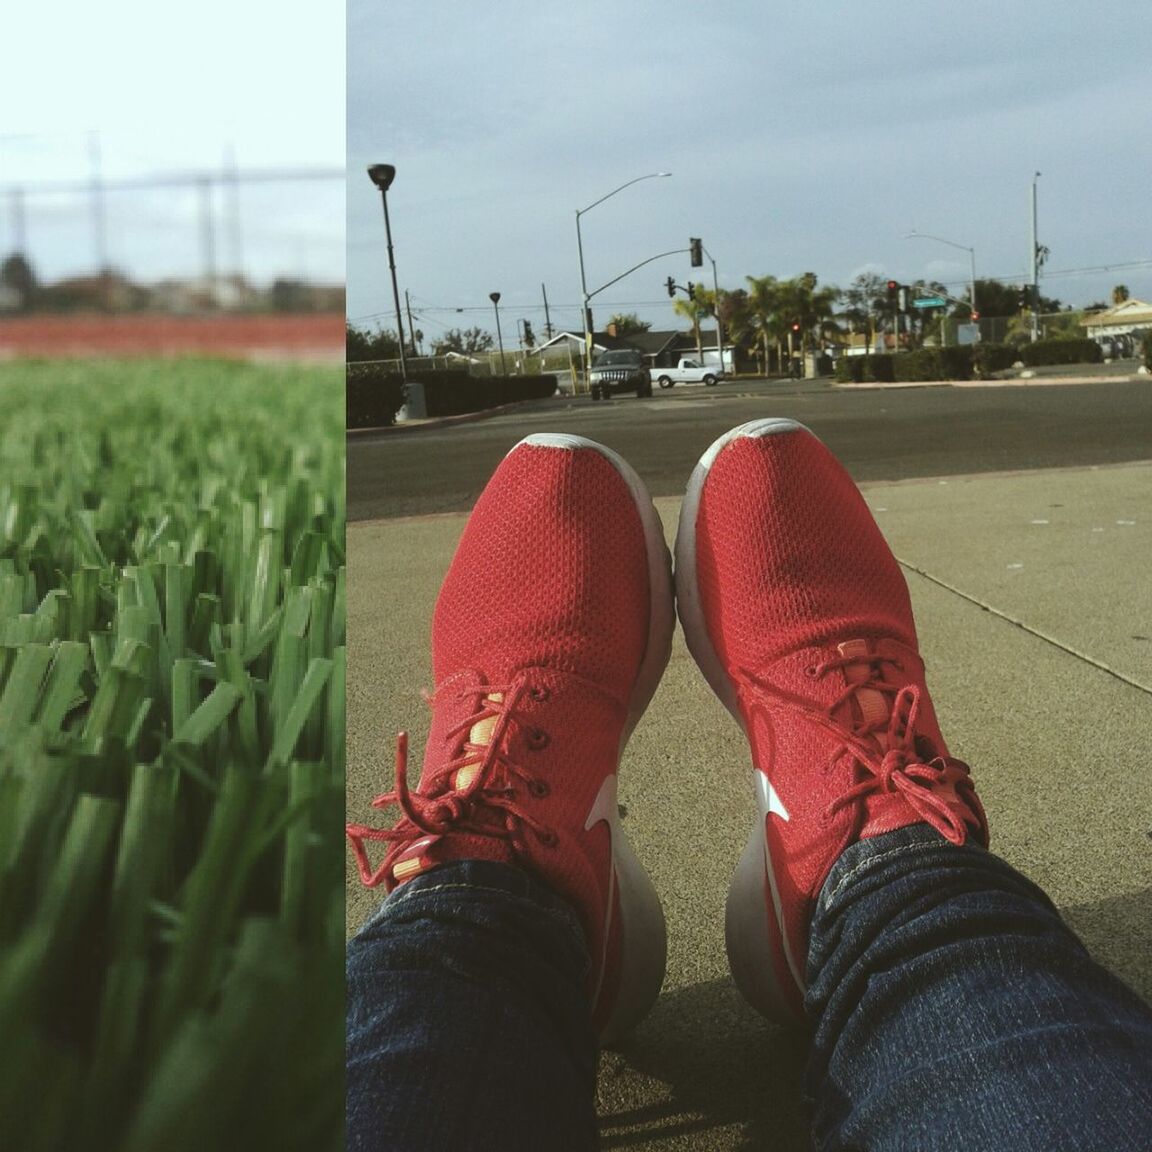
(133, 88)
(799, 137)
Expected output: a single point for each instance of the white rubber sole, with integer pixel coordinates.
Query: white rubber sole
(643, 931)
(752, 901)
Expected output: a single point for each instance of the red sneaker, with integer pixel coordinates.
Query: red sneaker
(549, 637)
(799, 617)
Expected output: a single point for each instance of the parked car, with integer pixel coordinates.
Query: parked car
(619, 370)
(689, 371)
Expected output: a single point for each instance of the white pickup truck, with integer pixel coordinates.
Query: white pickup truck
(688, 371)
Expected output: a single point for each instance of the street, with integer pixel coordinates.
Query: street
(879, 434)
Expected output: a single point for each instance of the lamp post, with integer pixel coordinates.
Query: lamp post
(584, 297)
(382, 176)
(495, 298)
(971, 264)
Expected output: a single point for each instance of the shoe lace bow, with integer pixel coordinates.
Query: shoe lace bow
(473, 792)
(884, 747)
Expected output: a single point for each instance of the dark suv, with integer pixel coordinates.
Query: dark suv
(621, 370)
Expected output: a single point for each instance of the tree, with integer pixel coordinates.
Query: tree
(763, 304)
(360, 345)
(866, 300)
(17, 274)
(464, 341)
(1119, 294)
(701, 304)
(628, 323)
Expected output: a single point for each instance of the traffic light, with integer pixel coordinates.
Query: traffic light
(975, 316)
(691, 290)
(1024, 296)
(529, 338)
(903, 297)
(670, 284)
(796, 325)
(893, 291)
(696, 247)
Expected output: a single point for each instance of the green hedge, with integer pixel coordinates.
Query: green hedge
(454, 393)
(953, 363)
(1074, 351)
(865, 369)
(989, 358)
(375, 395)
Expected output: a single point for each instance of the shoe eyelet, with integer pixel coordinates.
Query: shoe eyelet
(537, 739)
(812, 671)
(549, 839)
(539, 789)
(538, 693)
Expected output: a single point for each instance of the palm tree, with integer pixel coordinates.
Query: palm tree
(800, 301)
(764, 293)
(701, 304)
(1119, 294)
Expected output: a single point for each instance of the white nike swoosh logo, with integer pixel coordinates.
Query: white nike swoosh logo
(605, 808)
(769, 798)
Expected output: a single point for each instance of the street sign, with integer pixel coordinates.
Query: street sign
(930, 302)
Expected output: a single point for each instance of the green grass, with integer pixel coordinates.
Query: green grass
(172, 659)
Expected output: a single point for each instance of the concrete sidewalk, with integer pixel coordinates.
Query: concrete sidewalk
(1035, 616)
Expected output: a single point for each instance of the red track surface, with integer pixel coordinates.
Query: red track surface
(276, 337)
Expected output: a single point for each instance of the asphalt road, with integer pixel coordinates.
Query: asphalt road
(879, 434)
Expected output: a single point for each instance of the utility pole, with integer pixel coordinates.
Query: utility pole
(231, 184)
(1035, 263)
(547, 317)
(411, 326)
(19, 223)
(208, 239)
(99, 218)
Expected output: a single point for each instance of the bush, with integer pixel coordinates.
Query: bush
(953, 363)
(865, 369)
(373, 396)
(1079, 350)
(990, 358)
(1148, 350)
(850, 369)
(454, 393)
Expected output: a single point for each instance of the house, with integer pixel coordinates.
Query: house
(662, 349)
(1122, 320)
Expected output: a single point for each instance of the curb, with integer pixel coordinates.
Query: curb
(1011, 382)
(434, 421)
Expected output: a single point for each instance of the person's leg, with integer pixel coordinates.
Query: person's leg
(799, 617)
(550, 634)
(953, 1008)
(468, 1023)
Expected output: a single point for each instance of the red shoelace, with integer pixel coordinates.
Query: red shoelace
(466, 794)
(883, 750)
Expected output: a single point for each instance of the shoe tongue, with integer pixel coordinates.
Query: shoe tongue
(480, 734)
(869, 705)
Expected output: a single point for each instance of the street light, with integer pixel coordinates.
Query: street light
(495, 298)
(971, 264)
(580, 250)
(382, 176)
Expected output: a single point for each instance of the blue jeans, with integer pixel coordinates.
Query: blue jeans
(951, 1009)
